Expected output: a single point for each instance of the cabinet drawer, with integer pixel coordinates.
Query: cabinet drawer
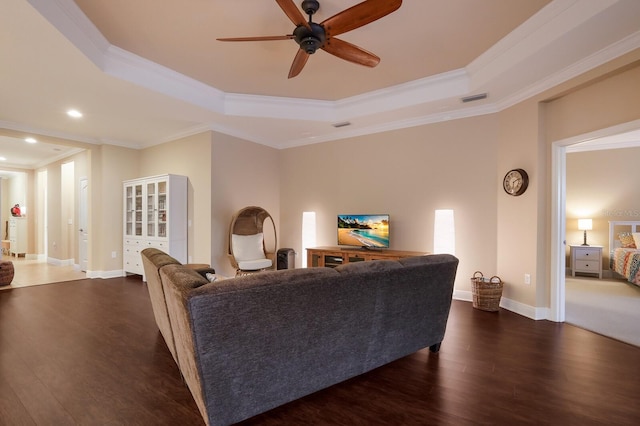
(160, 245)
(587, 253)
(133, 264)
(132, 250)
(588, 265)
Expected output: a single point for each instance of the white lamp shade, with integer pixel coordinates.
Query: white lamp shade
(585, 224)
(444, 232)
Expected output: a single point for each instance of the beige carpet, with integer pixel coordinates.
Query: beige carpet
(32, 272)
(610, 307)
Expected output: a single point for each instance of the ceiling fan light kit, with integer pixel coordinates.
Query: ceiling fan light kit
(312, 36)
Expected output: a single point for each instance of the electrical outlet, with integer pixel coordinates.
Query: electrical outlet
(114, 254)
(527, 279)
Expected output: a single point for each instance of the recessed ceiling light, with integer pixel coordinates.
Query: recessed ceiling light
(74, 113)
(3, 159)
(30, 140)
(341, 124)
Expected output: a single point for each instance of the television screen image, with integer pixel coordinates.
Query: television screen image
(365, 230)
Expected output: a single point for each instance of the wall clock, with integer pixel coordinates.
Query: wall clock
(515, 182)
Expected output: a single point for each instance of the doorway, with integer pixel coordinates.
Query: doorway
(610, 135)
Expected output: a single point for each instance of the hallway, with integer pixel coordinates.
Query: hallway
(34, 272)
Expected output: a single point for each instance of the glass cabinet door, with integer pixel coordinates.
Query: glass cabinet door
(152, 210)
(138, 210)
(133, 210)
(156, 207)
(128, 211)
(162, 208)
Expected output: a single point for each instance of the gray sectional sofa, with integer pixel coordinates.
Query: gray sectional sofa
(246, 345)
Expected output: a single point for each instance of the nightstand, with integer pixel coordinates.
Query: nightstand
(586, 260)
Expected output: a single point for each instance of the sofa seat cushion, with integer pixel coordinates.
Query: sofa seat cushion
(254, 265)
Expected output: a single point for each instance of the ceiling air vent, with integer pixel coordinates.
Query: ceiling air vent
(474, 97)
(341, 124)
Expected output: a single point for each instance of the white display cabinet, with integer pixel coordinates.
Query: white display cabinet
(155, 215)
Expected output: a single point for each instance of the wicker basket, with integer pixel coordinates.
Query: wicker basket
(486, 292)
(6, 272)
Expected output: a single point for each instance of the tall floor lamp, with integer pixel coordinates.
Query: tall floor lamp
(585, 225)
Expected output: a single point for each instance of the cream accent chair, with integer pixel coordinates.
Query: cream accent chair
(247, 247)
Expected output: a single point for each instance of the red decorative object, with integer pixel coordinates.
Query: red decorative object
(15, 210)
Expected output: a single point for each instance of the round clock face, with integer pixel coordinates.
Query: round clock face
(515, 182)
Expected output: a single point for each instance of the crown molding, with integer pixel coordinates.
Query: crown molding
(145, 73)
(452, 84)
(279, 107)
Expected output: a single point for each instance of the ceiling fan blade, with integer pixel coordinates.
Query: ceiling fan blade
(292, 11)
(359, 15)
(298, 63)
(266, 38)
(350, 52)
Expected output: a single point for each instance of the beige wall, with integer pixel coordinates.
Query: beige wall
(242, 174)
(191, 157)
(604, 186)
(408, 174)
(517, 217)
(606, 101)
(109, 167)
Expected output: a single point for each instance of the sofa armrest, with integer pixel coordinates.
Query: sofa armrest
(201, 268)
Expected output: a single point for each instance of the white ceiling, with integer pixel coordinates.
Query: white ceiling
(144, 72)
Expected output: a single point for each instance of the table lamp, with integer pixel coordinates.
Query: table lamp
(585, 225)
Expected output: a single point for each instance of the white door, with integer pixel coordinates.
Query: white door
(83, 242)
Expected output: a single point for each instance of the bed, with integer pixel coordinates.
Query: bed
(624, 250)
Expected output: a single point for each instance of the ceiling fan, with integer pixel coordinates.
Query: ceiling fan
(312, 36)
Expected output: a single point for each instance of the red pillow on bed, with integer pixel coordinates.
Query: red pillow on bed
(626, 238)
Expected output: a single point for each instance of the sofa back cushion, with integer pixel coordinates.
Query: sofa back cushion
(152, 260)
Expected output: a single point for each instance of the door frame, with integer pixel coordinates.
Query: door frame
(83, 228)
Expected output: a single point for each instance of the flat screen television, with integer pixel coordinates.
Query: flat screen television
(363, 230)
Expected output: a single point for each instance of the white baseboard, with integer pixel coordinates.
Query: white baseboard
(508, 304)
(60, 262)
(106, 274)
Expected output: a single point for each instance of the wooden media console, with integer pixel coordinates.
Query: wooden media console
(333, 256)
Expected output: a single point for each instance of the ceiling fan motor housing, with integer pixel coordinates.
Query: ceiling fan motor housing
(310, 40)
(310, 6)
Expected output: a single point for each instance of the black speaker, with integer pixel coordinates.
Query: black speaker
(286, 258)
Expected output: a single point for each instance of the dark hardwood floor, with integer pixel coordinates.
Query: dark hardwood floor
(88, 352)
